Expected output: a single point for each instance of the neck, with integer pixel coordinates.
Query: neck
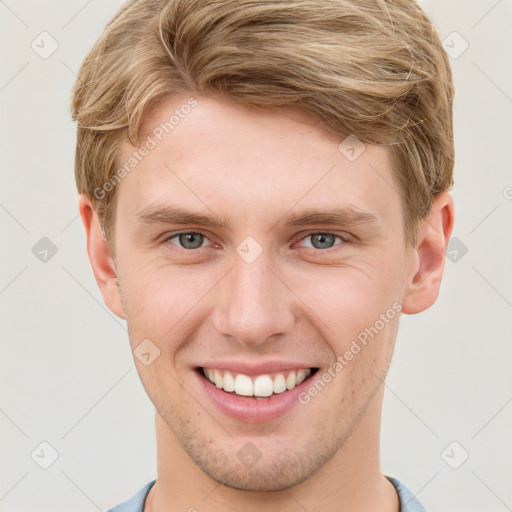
(350, 481)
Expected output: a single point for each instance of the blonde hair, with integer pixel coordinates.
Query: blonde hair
(372, 68)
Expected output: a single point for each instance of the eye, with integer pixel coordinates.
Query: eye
(190, 240)
(187, 240)
(324, 240)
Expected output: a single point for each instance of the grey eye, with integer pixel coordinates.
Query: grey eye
(322, 240)
(190, 240)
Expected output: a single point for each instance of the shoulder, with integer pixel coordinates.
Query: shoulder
(408, 502)
(135, 503)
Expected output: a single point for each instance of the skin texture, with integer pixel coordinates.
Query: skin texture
(294, 302)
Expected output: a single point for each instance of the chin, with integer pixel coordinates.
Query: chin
(275, 476)
(275, 469)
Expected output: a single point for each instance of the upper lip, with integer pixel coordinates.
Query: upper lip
(254, 368)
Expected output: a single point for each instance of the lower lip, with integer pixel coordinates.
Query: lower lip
(252, 410)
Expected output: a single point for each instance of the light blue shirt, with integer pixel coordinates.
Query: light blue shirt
(408, 502)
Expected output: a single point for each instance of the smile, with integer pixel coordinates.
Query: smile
(259, 386)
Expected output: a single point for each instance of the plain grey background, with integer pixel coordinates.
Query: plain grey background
(67, 374)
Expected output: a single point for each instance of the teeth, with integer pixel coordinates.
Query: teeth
(218, 379)
(262, 386)
(301, 375)
(279, 383)
(229, 382)
(243, 385)
(291, 381)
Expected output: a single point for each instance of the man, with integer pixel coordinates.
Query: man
(264, 187)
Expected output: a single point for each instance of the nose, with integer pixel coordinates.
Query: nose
(255, 303)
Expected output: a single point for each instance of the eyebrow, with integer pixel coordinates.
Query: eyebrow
(346, 216)
(175, 215)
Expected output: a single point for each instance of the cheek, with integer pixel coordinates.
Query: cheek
(159, 297)
(347, 300)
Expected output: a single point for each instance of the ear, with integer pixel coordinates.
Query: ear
(427, 259)
(102, 262)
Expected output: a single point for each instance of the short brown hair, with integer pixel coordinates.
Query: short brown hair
(372, 68)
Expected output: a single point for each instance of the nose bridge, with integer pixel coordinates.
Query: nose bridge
(255, 304)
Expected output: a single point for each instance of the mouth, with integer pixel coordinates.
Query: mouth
(256, 387)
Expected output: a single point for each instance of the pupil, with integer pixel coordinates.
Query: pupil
(187, 240)
(325, 241)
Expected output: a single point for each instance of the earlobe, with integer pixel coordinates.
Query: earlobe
(425, 275)
(101, 260)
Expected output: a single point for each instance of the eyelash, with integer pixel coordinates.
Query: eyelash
(345, 239)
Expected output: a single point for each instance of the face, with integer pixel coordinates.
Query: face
(251, 252)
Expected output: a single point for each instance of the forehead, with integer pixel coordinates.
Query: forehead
(249, 163)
